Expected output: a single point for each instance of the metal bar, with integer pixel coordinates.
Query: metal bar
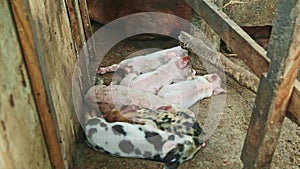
(275, 89)
(243, 45)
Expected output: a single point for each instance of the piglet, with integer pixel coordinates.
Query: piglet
(179, 123)
(121, 95)
(144, 63)
(187, 93)
(175, 70)
(141, 141)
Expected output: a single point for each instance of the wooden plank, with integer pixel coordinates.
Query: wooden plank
(207, 30)
(76, 26)
(85, 18)
(21, 15)
(56, 53)
(293, 109)
(236, 39)
(275, 90)
(82, 31)
(57, 56)
(88, 32)
(22, 143)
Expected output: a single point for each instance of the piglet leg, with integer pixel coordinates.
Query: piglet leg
(116, 116)
(107, 69)
(218, 91)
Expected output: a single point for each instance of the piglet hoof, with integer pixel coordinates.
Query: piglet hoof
(101, 71)
(194, 72)
(218, 91)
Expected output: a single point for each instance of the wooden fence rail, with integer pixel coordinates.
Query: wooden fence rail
(244, 46)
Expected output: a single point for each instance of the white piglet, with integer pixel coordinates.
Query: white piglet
(144, 63)
(187, 93)
(175, 70)
(121, 95)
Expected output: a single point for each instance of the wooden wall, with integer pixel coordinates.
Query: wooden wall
(38, 46)
(22, 144)
(53, 34)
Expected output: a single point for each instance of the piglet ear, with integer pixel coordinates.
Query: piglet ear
(211, 77)
(168, 146)
(183, 61)
(218, 91)
(214, 77)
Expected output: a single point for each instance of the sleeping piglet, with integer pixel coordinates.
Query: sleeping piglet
(187, 93)
(144, 63)
(141, 141)
(175, 70)
(119, 96)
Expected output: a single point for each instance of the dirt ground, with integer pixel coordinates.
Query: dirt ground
(223, 148)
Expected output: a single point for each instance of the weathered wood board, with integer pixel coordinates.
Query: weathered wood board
(51, 35)
(22, 144)
(56, 50)
(206, 29)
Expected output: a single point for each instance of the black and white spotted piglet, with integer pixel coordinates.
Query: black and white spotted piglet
(141, 141)
(178, 122)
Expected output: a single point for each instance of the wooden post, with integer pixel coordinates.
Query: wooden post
(243, 45)
(213, 37)
(275, 89)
